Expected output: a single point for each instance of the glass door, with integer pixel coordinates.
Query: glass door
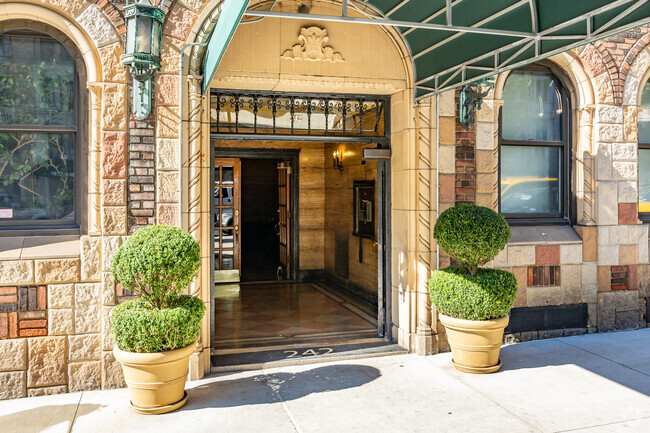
(227, 204)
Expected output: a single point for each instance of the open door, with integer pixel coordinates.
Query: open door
(227, 207)
(284, 219)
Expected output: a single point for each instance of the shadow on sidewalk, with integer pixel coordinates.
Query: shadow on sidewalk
(42, 418)
(549, 353)
(276, 387)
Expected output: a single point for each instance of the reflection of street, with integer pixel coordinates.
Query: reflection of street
(530, 195)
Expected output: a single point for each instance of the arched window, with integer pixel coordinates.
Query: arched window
(534, 150)
(644, 155)
(38, 132)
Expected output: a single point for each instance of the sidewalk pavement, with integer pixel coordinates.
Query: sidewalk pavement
(589, 383)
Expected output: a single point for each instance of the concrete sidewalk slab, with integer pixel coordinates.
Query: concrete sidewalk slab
(591, 383)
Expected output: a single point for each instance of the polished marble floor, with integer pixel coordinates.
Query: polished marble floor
(277, 314)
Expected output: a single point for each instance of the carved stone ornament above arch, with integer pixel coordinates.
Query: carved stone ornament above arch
(312, 45)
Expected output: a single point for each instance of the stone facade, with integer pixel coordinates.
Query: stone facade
(56, 296)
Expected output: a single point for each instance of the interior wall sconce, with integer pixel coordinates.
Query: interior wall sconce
(144, 21)
(337, 159)
(471, 99)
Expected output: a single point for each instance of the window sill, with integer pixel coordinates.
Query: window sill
(39, 247)
(544, 235)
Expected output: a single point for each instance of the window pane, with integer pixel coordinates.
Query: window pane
(36, 176)
(36, 82)
(530, 179)
(644, 116)
(532, 108)
(644, 180)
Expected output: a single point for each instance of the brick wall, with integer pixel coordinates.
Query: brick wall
(465, 184)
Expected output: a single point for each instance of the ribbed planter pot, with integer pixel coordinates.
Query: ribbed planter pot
(156, 381)
(475, 344)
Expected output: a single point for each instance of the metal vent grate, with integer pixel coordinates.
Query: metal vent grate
(543, 275)
(525, 319)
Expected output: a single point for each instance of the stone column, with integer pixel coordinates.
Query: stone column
(425, 339)
(94, 159)
(585, 181)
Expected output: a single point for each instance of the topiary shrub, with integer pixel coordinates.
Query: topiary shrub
(139, 328)
(157, 263)
(489, 294)
(472, 235)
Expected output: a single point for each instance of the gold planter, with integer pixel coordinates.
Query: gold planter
(156, 381)
(475, 344)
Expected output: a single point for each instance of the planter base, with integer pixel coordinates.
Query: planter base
(162, 409)
(477, 370)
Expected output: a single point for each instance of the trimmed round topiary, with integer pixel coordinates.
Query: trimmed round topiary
(157, 262)
(471, 234)
(139, 328)
(489, 294)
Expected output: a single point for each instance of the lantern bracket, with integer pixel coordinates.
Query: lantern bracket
(471, 99)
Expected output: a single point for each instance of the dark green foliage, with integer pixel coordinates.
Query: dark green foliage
(139, 328)
(489, 294)
(157, 263)
(471, 234)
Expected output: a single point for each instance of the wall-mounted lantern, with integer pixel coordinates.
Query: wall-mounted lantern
(471, 99)
(144, 21)
(337, 160)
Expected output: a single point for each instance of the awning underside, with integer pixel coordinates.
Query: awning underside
(454, 42)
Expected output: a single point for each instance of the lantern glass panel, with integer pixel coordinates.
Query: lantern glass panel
(156, 38)
(130, 35)
(144, 35)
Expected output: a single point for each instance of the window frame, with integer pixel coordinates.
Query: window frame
(643, 216)
(567, 198)
(60, 226)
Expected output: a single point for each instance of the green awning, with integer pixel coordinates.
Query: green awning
(454, 42)
(231, 14)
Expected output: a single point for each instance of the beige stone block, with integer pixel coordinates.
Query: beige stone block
(624, 151)
(110, 245)
(12, 385)
(603, 160)
(73, 7)
(485, 135)
(447, 127)
(540, 296)
(167, 188)
(631, 124)
(47, 390)
(167, 122)
(627, 255)
(167, 214)
(607, 193)
(47, 361)
(603, 86)
(643, 252)
(486, 113)
(447, 159)
(60, 321)
(114, 220)
(589, 274)
(571, 283)
(607, 255)
(486, 161)
(521, 255)
(627, 191)
(84, 376)
(87, 313)
(624, 170)
(84, 348)
(114, 192)
(108, 289)
(609, 114)
(631, 90)
(521, 273)
(640, 64)
(113, 107)
(97, 26)
(170, 54)
(606, 311)
(16, 272)
(167, 155)
(570, 253)
(57, 271)
(447, 102)
(60, 295)
(179, 22)
(112, 376)
(167, 93)
(112, 67)
(13, 354)
(592, 313)
(91, 254)
(626, 300)
(590, 294)
(609, 133)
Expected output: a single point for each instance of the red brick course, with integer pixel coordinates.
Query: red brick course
(23, 311)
